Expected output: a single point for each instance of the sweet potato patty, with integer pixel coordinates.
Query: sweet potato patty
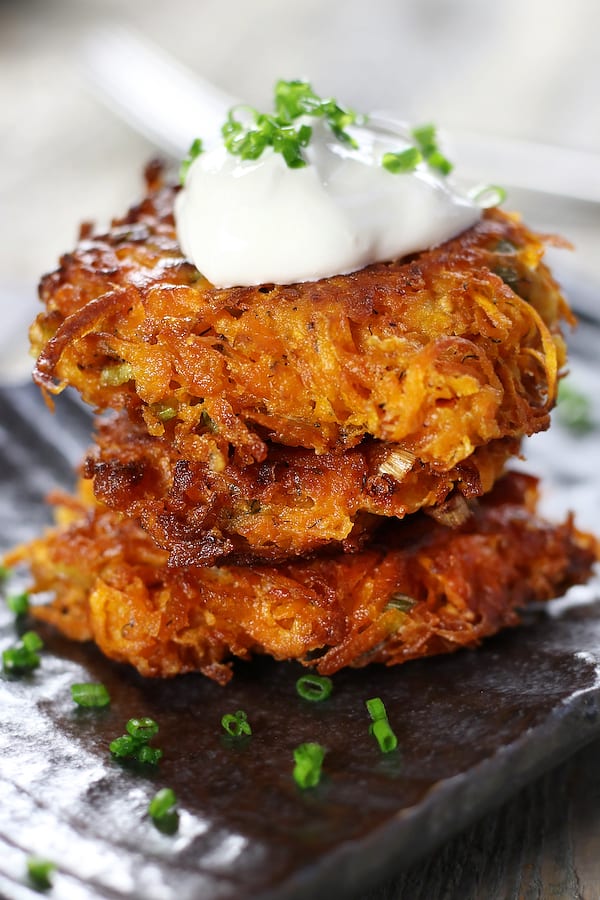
(438, 353)
(424, 589)
(294, 502)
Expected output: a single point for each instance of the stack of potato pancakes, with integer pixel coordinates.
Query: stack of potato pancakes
(312, 471)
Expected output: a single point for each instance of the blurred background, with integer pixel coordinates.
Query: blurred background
(522, 69)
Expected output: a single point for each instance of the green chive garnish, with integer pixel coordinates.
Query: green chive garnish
(574, 410)
(488, 196)
(376, 709)
(194, 151)
(113, 376)
(426, 138)
(134, 744)
(39, 871)
(314, 687)
(308, 759)
(402, 602)
(142, 729)
(236, 724)
(164, 412)
(405, 161)
(382, 732)
(4, 573)
(18, 603)
(162, 803)
(163, 812)
(150, 756)
(23, 657)
(380, 728)
(90, 695)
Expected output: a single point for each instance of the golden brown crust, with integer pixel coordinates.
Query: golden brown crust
(113, 585)
(292, 503)
(436, 353)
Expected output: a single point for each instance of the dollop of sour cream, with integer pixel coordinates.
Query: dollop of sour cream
(256, 222)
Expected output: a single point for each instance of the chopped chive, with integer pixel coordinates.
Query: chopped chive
(165, 411)
(488, 196)
(90, 695)
(39, 871)
(382, 732)
(376, 709)
(402, 602)
(308, 759)
(150, 756)
(23, 657)
(4, 573)
(380, 728)
(574, 410)
(18, 603)
(134, 744)
(162, 803)
(142, 729)
(124, 746)
(404, 161)
(236, 724)
(314, 687)
(163, 812)
(438, 161)
(194, 151)
(504, 246)
(113, 376)
(426, 138)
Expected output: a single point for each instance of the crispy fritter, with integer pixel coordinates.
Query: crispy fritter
(424, 589)
(438, 353)
(292, 503)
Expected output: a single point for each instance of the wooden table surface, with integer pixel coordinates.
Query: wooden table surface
(518, 68)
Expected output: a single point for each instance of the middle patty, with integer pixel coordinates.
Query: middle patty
(294, 502)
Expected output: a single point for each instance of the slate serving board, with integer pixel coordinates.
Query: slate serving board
(472, 727)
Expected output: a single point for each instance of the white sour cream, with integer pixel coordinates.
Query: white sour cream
(255, 222)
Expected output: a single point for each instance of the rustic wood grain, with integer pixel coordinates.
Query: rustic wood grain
(542, 843)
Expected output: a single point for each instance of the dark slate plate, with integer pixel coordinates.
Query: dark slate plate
(473, 728)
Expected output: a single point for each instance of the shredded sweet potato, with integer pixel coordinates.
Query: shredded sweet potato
(439, 353)
(420, 589)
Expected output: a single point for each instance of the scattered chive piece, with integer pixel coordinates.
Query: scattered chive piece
(149, 755)
(308, 759)
(426, 138)
(488, 196)
(162, 803)
(142, 729)
(164, 413)
(380, 727)
(376, 709)
(382, 732)
(134, 744)
(18, 603)
(574, 410)
(402, 602)
(236, 724)
(23, 657)
(405, 161)
(90, 695)
(39, 871)
(4, 573)
(314, 687)
(113, 376)
(194, 151)
(124, 746)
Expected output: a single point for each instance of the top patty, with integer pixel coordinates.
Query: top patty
(440, 353)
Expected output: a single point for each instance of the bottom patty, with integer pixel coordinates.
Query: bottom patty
(424, 588)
